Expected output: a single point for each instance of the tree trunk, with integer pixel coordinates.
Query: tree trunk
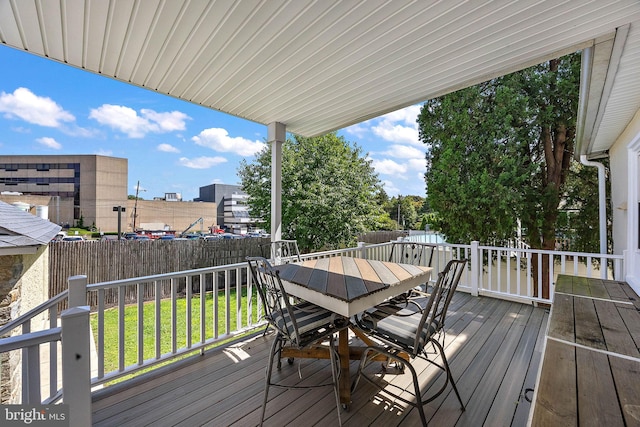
(557, 142)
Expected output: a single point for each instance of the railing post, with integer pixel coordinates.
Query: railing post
(476, 269)
(30, 371)
(77, 291)
(76, 365)
(363, 250)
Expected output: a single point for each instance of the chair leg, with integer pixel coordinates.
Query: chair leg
(448, 372)
(414, 376)
(278, 351)
(335, 361)
(277, 343)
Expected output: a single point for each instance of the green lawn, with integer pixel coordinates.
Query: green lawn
(131, 320)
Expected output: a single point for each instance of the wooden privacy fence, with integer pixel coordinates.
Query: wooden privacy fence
(116, 260)
(375, 237)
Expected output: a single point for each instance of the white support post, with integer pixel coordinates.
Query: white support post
(76, 365)
(476, 267)
(276, 135)
(77, 291)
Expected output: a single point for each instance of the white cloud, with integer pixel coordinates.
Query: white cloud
(390, 187)
(404, 152)
(103, 152)
(49, 142)
(167, 148)
(38, 110)
(218, 139)
(168, 122)
(201, 162)
(390, 131)
(398, 126)
(127, 120)
(406, 115)
(417, 164)
(389, 167)
(358, 130)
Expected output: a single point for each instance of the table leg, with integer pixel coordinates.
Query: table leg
(345, 377)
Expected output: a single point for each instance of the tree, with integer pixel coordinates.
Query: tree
(473, 163)
(502, 150)
(329, 191)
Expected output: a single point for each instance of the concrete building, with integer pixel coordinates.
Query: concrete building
(79, 186)
(66, 188)
(233, 210)
(158, 215)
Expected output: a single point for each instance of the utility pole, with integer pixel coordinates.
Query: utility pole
(135, 206)
(119, 209)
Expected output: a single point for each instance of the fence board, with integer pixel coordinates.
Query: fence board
(116, 260)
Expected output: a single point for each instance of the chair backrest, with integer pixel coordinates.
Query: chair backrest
(433, 316)
(275, 300)
(414, 253)
(285, 251)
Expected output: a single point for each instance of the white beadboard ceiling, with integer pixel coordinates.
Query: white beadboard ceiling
(318, 66)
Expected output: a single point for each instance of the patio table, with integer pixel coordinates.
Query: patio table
(591, 363)
(347, 286)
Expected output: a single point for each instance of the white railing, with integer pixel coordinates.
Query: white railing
(223, 314)
(508, 273)
(492, 271)
(205, 323)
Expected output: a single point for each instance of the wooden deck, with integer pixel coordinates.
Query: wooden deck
(493, 347)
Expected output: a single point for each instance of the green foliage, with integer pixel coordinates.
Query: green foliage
(473, 164)
(579, 217)
(502, 150)
(404, 210)
(330, 192)
(80, 221)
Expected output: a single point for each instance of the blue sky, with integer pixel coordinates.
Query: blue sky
(171, 145)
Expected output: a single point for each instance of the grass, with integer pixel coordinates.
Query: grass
(111, 317)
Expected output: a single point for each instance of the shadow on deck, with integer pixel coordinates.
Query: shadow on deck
(494, 349)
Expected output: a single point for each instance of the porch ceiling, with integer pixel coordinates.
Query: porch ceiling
(315, 66)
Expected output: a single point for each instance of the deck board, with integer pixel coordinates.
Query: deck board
(493, 347)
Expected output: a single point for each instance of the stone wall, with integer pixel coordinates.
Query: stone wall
(23, 286)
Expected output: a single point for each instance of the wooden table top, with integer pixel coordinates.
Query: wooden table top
(348, 285)
(599, 314)
(590, 373)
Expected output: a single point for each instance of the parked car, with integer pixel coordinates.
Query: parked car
(167, 237)
(212, 237)
(141, 237)
(72, 239)
(231, 236)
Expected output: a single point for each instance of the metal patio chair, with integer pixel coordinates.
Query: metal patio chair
(415, 333)
(414, 253)
(281, 251)
(300, 325)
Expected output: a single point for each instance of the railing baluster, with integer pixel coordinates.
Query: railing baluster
(238, 300)
(53, 353)
(188, 316)
(157, 317)
(203, 308)
(100, 344)
(140, 332)
(216, 314)
(121, 347)
(227, 299)
(174, 317)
